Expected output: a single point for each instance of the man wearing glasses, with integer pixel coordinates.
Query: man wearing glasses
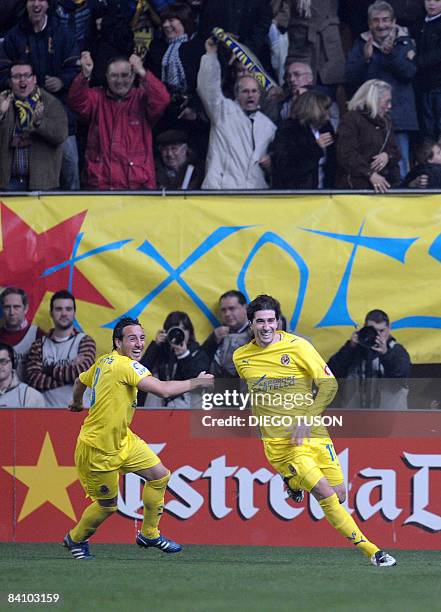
(13, 392)
(33, 127)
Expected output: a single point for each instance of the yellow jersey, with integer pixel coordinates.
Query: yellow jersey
(114, 380)
(286, 378)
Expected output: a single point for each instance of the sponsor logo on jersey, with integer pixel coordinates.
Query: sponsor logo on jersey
(139, 369)
(328, 370)
(285, 359)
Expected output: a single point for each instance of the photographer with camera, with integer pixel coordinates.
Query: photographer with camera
(376, 367)
(174, 355)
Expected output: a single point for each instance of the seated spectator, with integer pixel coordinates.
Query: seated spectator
(367, 152)
(387, 52)
(55, 361)
(240, 133)
(225, 339)
(178, 167)
(13, 392)
(174, 59)
(302, 152)
(33, 128)
(174, 355)
(119, 152)
(375, 366)
(41, 41)
(427, 172)
(16, 331)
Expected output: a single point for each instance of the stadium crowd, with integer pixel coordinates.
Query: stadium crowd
(138, 95)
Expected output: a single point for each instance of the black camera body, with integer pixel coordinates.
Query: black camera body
(176, 335)
(367, 336)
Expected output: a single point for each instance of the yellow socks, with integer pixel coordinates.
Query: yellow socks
(341, 520)
(153, 499)
(91, 519)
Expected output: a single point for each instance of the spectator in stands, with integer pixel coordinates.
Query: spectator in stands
(303, 152)
(240, 134)
(367, 152)
(248, 20)
(174, 355)
(429, 71)
(387, 52)
(426, 174)
(314, 39)
(13, 392)
(16, 331)
(298, 78)
(119, 153)
(225, 339)
(33, 127)
(409, 13)
(52, 52)
(375, 365)
(77, 16)
(55, 361)
(278, 37)
(178, 167)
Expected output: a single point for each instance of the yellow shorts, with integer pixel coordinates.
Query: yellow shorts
(305, 464)
(99, 473)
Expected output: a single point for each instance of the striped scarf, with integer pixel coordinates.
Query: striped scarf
(173, 73)
(24, 112)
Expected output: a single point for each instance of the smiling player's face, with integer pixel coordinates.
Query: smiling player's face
(132, 342)
(264, 326)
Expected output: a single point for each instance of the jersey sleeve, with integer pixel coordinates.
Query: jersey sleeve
(320, 372)
(87, 377)
(133, 372)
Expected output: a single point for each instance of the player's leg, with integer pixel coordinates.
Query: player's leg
(143, 462)
(330, 492)
(102, 487)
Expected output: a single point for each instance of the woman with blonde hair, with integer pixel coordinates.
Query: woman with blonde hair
(302, 153)
(367, 152)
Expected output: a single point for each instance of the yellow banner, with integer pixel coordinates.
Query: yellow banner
(328, 259)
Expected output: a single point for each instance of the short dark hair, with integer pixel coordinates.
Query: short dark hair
(181, 11)
(63, 294)
(263, 302)
(14, 291)
(377, 316)
(177, 317)
(118, 330)
(20, 63)
(234, 293)
(424, 150)
(11, 353)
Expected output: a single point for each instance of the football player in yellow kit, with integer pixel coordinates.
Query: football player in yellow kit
(280, 369)
(106, 447)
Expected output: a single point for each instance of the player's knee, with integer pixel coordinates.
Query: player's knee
(108, 505)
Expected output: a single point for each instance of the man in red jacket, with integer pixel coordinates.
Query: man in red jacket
(119, 152)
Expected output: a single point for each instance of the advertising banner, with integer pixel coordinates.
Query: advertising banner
(328, 259)
(222, 490)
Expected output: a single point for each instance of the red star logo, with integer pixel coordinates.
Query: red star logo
(27, 254)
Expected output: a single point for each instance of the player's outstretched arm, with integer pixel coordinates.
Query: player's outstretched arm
(169, 388)
(76, 405)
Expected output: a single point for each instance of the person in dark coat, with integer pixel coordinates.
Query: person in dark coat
(367, 152)
(302, 153)
(426, 174)
(387, 52)
(174, 355)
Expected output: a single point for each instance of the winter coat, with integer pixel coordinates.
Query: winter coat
(295, 157)
(46, 145)
(316, 40)
(359, 139)
(396, 68)
(433, 172)
(429, 55)
(236, 143)
(119, 152)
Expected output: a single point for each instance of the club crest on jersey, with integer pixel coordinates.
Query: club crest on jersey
(285, 359)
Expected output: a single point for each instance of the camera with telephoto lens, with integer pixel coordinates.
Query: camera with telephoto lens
(367, 336)
(175, 335)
